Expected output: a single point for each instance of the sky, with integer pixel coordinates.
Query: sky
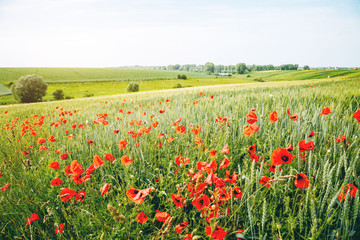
(112, 33)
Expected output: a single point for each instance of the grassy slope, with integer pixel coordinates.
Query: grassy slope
(82, 82)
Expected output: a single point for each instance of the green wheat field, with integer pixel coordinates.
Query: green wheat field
(210, 162)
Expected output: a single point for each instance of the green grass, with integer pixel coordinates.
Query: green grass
(281, 211)
(4, 90)
(62, 75)
(82, 82)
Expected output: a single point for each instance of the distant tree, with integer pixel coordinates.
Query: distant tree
(173, 67)
(240, 68)
(306, 67)
(58, 94)
(29, 88)
(133, 87)
(219, 68)
(209, 68)
(181, 76)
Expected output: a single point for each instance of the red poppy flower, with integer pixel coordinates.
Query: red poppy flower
(264, 180)
(122, 144)
(272, 168)
(281, 155)
(155, 124)
(181, 226)
(357, 115)
(90, 142)
(225, 149)
(60, 228)
(97, 161)
(67, 170)
(311, 134)
(80, 196)
(178, 200)
(211, 167)
(224, 164)
(51, 139)
(254, 157)
(104, 189)
(141, 218)
(231, 178)
(196, 129)
(125, 160)
(90, 169)
(25, 153)
(273, 116)
(217, 234)
(7, 186)
(306, 146)
(340, 138)
(325, 111)
(182, 160)
(76, 167)
(64, 156)
(195, 177)
(293, 117)
(138, 196)
(213, 153)
(237, 192)
(34, 217)
(350, 188)
(201, 166)
(109, 157)
(41, 140)
(56, 182)
(161, 216)
(201, 203)
(250, 129)
(301, 181)
(180, 129)
(252, 149)
(54, 165)
(66, 194)
(251, 117)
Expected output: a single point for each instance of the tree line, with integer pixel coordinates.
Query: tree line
(239, 68)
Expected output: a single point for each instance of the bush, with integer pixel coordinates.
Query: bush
(89, 95)
(133, 87)
(181, 76)
(69, 97)
(58, 94)
(177, 86)
(259, 80)
(29, 88)
(248, 76)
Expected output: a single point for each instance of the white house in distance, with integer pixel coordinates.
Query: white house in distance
(224, 74)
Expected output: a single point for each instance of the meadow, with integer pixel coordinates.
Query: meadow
(85, 82)
(197, 163)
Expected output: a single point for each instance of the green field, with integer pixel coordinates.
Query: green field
(84, 82)
(61, 75)
(282, 210)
